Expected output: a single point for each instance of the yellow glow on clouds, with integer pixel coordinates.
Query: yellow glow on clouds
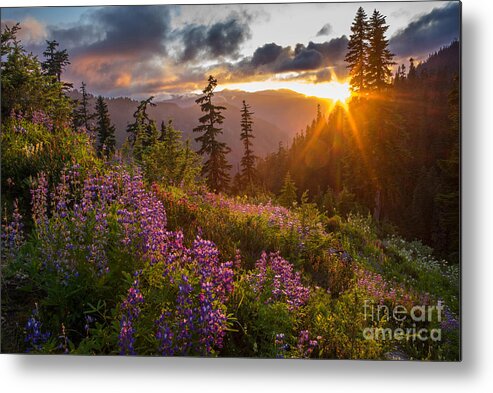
(334, 90)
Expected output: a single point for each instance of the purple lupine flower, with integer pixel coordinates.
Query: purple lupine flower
(41, 118)
(275, 279)
(12, 234)
(88, 320)
(450, 323)
(39, 202)
(281, 346)
(383, 291)
(130, 311)
(35, 337)
(165, 335)
(306, 345)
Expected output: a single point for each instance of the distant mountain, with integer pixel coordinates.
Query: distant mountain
(278, 116)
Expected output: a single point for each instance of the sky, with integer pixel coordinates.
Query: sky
(166, 50)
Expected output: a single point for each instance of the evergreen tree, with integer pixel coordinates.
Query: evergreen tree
(82, 116)
(171, 138)
(25, 86)
(189, 165)
(143, 131)
(403, 72)
(356, 56)
(412, 70)
(162, 133)
(319, 114)
(216, 167)
(105, 130)
(169, 160)
(448, 197)
(380, 59)
(8, 39)
(248, 159)
(56, 60)
(397, 76)
(288, 194)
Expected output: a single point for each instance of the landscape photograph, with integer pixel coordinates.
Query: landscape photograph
(234, 180)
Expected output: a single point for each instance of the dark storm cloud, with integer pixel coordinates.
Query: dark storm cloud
(333, 50)
(316, 55)
(266, 54)
(428, 32)
(305, 59)
(325, 30)
(122, 30)
(75, 36)
(274, 58)
(221, 39)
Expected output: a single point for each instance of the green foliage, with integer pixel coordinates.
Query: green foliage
(257, 323)
(143, 131)
(105, 130)
(170, 161)
(81, 115)
(288, 195)
(55, 61)
(340, 323)
(448, 198)
(26, 88)
(29, 149)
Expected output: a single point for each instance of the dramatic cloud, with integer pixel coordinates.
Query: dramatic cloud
(333, 50)
(305, 59)
(325, 30)
(171, 49)
(128, 30)
(315, 56)
(32, 31)
(76, 36)
(114, 49)
(266, 54)
(428, 32)
(221, 39)
(317, 62)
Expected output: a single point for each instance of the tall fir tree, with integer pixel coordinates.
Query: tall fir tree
(248, 159)
(380, 59)
(82, 116)
(55, 61)
(357, 53)
(143, 131)
(216, 168)
(105, 130)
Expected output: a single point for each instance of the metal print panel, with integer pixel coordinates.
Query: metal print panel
(243, 180)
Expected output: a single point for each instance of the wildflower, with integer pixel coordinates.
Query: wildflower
(34, 335)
